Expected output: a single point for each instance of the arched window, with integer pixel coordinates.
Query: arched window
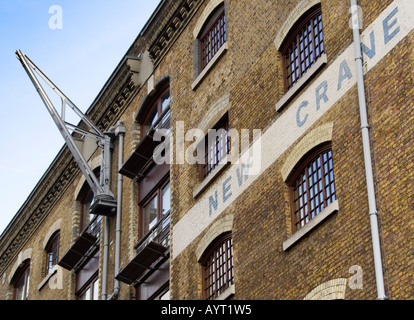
(213, 35)
(303, 46)
(312, 187)
(157, 115)
(52, 251)
(217, 146)
(21, 283)
(217, 263)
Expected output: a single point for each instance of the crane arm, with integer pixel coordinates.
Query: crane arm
(103, 198)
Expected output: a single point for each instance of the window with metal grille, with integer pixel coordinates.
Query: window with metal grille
(217, 146)
(303, 47)
(213, 36)
(218, 267)
(52, 251)
(313, 188)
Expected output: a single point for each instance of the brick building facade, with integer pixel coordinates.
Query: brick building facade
(280, 208)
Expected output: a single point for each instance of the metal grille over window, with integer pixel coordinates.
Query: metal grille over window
(304, 48)
(313, 189)
(218, 269)
(213, 38)
(217, 146)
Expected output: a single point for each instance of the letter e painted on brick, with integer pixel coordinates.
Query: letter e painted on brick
(226, 189)
(388, 25)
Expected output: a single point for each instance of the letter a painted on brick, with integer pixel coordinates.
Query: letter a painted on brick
(344, 73)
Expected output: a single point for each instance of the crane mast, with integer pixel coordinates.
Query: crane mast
(103, 202)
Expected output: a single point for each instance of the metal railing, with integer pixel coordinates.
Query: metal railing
(163, 122)
(94, 226)
(160, 234)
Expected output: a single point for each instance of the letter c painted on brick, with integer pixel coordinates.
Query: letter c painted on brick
(300, 122)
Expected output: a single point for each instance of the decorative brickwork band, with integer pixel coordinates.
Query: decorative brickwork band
(220, 226)
(330, 290)
(315, 137)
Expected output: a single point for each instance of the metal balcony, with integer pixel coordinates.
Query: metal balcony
(143, 157)
(148, 251)
(84, 247)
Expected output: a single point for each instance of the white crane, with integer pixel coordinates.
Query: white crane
(104, 203)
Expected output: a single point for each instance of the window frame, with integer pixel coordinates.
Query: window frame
(302, 169)
(221, 241)
(219, 155)
(295, 33)
(156, 104)
(93, 285)
(24, 275)
(156, 192)
(52, 252)
(218, 18)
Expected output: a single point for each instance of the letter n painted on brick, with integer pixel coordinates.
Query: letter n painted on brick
(370, 52)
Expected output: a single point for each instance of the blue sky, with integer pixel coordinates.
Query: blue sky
(79, 58)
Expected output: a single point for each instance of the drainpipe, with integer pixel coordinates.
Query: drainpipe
(120, 132)
(106, 244)
(105, 259)
(367, 154)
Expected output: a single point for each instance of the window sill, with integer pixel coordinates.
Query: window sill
(210, 178)
(230, 291)
(47, 277)
(331, 209)
(209, 66)
(301, 83)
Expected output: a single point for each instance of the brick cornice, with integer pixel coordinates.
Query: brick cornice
(175, 16)
(40, 202)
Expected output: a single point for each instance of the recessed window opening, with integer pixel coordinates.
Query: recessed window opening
(156, 208)
(218, 274)
(304, 46)
(52, 252)
(313, 188)
(213, 36)
(21, 285)
(217, 146)
(158, 115)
